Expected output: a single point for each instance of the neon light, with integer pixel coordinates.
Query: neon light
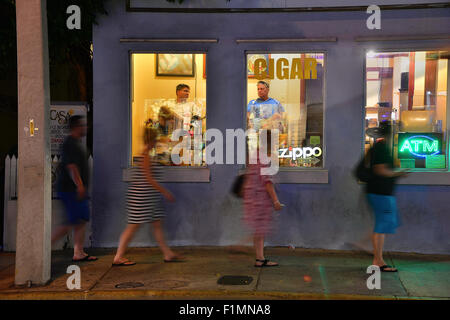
(416, 144)
(433, 147)
(421, 145)
(406, 145)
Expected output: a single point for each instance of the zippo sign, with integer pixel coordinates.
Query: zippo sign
(419, 145)
(295, 153)
(59, 124)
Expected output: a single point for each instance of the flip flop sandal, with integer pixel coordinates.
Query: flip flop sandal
(124, 264)
(383, 268)
(85, 259)
(264, 263)
(176, 259)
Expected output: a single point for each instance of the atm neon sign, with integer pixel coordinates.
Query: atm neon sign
(419, 145)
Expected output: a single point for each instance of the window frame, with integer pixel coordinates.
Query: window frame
(419, 176)
(188, 174)
(297, 175)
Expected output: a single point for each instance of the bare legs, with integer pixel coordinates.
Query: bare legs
(243, 245)
(79, 231)
(60, 232)
(159, 236)
(125, 239)
(258, 242)
(378, 242)
(128, 234)
(78, 240)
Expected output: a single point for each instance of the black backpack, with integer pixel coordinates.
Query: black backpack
(362, 172)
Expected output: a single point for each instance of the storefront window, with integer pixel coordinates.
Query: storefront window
(409, 89)
(285, 92)
(169, 93)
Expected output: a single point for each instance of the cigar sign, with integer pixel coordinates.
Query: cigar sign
(419, 145)
(281, 68)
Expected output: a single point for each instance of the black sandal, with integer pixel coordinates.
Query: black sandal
(86, 258)
(264, 263)
(383, 268)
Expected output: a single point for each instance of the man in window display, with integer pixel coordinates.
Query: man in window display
(265, 112)
(183, 108)
(190, 112)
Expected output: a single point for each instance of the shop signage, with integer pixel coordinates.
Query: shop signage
(295, 153)
(281, 69)
(59, 124)
(419, 145)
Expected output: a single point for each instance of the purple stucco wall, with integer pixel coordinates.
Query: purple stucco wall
(316, 215)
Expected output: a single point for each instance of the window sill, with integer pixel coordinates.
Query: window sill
(426, 178)
(178, 174)
(286, 175)
(302, 176)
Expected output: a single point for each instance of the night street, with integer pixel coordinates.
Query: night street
(302, 274)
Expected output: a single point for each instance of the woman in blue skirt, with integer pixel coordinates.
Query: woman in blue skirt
(380, 194)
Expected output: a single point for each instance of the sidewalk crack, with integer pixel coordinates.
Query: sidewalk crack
(398, 273)
(96, 282)
(258, 279)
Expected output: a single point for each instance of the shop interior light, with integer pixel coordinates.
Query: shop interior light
(370, 54)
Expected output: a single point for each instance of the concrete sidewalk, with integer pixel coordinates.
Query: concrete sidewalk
(302, 274)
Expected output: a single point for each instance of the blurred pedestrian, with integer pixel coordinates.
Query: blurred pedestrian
(144, 202)
(164, 127)
(72, 185)
(380, 194)
(260, 200)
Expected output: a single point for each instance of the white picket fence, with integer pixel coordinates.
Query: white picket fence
(10, 205)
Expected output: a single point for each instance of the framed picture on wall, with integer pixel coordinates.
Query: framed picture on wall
(175, 64)
(251, 63)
